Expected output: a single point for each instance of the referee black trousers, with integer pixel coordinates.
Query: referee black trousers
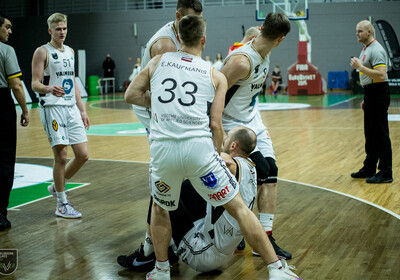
(376, 129)
(8, 143)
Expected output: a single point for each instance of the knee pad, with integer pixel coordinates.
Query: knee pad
(267, 170)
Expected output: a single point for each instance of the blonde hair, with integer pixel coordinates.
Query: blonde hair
(55, 18)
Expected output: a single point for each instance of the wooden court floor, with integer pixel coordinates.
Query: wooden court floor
(332, 235)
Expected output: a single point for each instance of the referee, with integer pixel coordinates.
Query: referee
(372, 70)
(9, 79)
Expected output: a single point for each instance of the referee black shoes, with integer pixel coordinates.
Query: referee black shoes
(380, 177)
(362, 173)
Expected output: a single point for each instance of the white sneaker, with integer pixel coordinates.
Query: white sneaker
(66, 210)
(158, 274)
(282, 272)
(52, 190)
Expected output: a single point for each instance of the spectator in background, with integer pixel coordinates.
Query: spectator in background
(136, 69)
(219, 62)
(108, 66)
(276, 79)
(207, 59)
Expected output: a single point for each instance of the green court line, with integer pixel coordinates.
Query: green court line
(27, 194)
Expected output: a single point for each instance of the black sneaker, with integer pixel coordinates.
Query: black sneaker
(278, 250)
(380, 177)
(242, 245)
(362, 173)
(282, 254)
(4, 222)
(138, 262)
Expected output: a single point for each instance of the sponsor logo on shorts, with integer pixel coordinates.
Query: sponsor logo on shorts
(54, 55)
(219, 195)
(162, 187)
(210, 181)
(55, 125)
(228, 230)
(169, 203)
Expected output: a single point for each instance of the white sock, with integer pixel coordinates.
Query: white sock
(276, 264)
(148, 247)
(266, 221)
(163, 265)
(61, 197)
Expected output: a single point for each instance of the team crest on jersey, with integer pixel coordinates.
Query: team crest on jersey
(210, 181)
(155, 118)
(363, 59)
(162, 187)
(54, 55)
(55, 125)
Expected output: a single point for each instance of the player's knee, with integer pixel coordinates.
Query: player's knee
(262, 167)
(267, 171)
(273, 171)
(84, 157)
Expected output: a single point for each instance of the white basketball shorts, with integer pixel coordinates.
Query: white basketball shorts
(63, 125)
(195, 159)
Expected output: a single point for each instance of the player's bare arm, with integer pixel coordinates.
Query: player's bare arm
(229, 162)
(161, 46)
(39, 62)
(377, 74)
(16, 86)
(236, 68)
(217, 108)
(138, 91)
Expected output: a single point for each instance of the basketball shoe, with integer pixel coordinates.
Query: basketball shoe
(139, 262)
(280, 270)
(66, 210)
(282, 254)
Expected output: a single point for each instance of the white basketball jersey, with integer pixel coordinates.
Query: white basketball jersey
(60, 71)
(182, 90)
(222, 229)
(241, 98)
(167, 31)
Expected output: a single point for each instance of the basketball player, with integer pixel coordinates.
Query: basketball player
(250, 34)
(187, 100)
(246, 69)
(62, 111)
(209, 250)
(164, 40)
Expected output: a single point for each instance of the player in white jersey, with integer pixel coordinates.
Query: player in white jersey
(62, 111)
(246, 69)
(184, 106)
(165, 40)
